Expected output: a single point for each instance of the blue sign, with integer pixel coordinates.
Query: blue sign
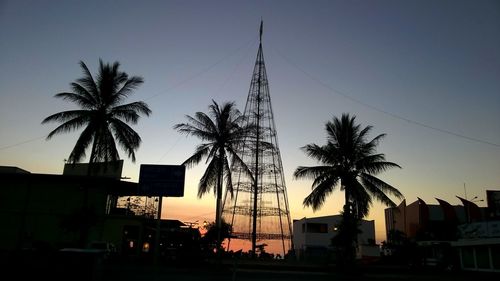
(161, 180)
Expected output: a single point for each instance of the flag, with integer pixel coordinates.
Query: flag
(472, 211)
(448, 211)
(402, 212)
(402, 206)
(423, 212)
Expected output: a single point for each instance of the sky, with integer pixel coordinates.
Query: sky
(426, 73)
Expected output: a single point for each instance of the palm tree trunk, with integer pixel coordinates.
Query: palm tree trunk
(350, 233)
(347, 205)
(84, 232)
(218, 213)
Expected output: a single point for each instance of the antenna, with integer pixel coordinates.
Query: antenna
(261, 27)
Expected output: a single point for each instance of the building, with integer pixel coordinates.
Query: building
(464, 236)
(69, 210)
(478, 245)
(47, 209)
(421, 221)
(312, 237)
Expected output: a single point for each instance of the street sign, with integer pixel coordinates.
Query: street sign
(161, 180)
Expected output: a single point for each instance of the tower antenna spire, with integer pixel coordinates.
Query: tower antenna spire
(261, 27)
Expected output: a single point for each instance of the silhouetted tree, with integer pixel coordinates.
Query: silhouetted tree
(349, 162)
(221, 133)
(211, 238)
(102, 114)
(343, 242)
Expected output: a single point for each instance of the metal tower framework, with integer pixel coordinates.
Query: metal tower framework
(258, 209)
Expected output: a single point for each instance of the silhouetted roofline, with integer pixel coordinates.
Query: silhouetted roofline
(12, 170)
(113, 186)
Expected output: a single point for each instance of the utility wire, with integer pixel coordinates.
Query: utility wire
(393, 115)
(191, 77)
(170, 149)
(202, 71)
(21, 143)
(246, 45)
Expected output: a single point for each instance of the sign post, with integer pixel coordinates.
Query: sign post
(161, 180)
(158, 232)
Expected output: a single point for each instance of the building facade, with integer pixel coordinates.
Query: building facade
(45, 211)
(464, 236)
(312, 236)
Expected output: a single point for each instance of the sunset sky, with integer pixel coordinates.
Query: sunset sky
(426, 73)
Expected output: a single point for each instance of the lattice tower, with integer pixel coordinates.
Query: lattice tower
(258, 209)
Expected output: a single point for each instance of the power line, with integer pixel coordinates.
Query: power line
(202, 71)
(170, 149)
(21, 143)
(393, 115)
(193, 76)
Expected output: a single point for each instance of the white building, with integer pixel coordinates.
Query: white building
(312, 236)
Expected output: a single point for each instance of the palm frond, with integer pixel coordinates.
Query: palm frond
(105, 148)
(66, 116)
(381, 185)
(243, 167)
(202, 134)
(128, 139)
(126, 89)
(201, 151)
(320, 153)
(88, 84)
(206, 122)
(84, 101)
(332, 176)
(68, 126)
(228, 177)
(209, 178)
(359, 197)
(375, 168)
(83, 142)
(311, 172)
(130, 112)
(318, 196)
(377, 193)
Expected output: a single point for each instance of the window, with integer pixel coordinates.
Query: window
(315, 228)
(482, 257)
(468, 257)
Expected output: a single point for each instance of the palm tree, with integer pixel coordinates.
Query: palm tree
(221, 133)
(105, 119)
(350, 163)
(102, 113)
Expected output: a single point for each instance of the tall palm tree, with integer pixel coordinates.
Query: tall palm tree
(221, 133)
(102, 113)
(349, 162)
(105, 119)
